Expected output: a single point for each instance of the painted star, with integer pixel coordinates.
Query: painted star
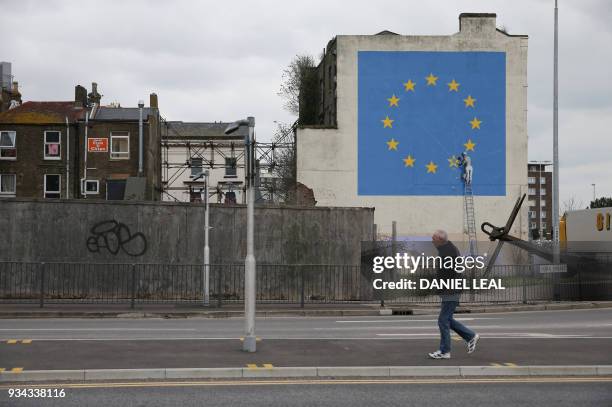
(431, 167)
(387, 122)
(453, 86)
(431, 79)
(409, 85)
(453, 162)
(392, 144)
(409, 161)
(469, 101)
(393, 101)
(475, 123)
(469, 146)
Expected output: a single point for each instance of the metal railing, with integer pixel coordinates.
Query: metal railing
(301, 284)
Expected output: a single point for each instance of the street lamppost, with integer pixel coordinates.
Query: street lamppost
(594, 196)
(204, 196)
(250, 341)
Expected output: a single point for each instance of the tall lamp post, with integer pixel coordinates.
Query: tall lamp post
(594, 195)
(250, 341)
(204, 196)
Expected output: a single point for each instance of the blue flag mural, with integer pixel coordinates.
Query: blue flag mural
(418, 111)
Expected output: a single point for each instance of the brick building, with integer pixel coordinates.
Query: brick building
(79, 149)
(539, 183)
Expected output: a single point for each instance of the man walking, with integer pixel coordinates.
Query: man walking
(450, 301)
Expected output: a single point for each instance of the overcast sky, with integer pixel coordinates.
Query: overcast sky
(223, 60)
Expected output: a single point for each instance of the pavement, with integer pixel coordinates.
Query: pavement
(541, 392)
(527, 343)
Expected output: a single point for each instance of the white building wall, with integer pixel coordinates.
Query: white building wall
(181, 176)
(327, 158)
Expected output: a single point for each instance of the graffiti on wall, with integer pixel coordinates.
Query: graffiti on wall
(116, 236)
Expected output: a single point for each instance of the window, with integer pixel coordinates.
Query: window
(8, 148)
(532, 191)
(534, 225)
(542, 192)
(230, 167)
(53, 145)
(542, 203)
(532, 214)
(7, 185)
(542, 180)
(52, 185)
(120, 145)
(531, 180)
(543, 225)
(543, 214)
(532, 202)
(92, 187)
(196, 167)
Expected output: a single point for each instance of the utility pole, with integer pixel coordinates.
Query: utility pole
(206, 274)
(555, 203)
(594, 196)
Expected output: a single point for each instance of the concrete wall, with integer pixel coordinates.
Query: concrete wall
(38, 230)
(327, 158)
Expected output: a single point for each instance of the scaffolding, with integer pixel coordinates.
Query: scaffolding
(211, 153)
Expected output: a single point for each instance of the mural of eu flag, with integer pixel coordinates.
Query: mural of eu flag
(418, 111)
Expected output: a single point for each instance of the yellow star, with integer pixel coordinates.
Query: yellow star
(393, 101)
(469, 146)
(392, 144)
(387, 122)
(431, 167)
(453, 162)
(409, 85)
(409, 161)
(431, 79)
(475, 123)
(454, 85)
(469, 101)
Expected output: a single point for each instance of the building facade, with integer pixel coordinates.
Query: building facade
(78, 149)
(539, 200)
(188, 149)
(473, 87)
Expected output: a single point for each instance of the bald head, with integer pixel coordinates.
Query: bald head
(439, 237)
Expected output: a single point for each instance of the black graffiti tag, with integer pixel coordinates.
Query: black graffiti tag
(114, 236)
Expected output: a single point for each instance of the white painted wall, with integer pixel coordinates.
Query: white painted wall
(327, 158)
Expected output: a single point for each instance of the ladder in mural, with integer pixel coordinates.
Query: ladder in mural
(470, 219)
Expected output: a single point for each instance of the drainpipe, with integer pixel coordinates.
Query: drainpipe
(67, 159)
(85, 155)
(140, 139)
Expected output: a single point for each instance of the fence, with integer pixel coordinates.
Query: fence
(284, 284)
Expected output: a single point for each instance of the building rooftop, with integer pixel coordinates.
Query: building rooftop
(43, 113)
(121, 113)
(202, 130)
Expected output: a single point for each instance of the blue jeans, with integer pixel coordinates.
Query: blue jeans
(446, 322)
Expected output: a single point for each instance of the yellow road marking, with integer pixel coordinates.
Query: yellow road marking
(511, 364)
(320, 382)
(17, 369)
(11, 341)
(1, 369)
(268, 366)
(456, 338)
(496, 364)
(251, 366)
(26, 341)
(257, 339)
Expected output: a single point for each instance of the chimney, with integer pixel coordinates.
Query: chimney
(15, 95)
(94, 96)
(80, 96)
(477, 24)
(153, 100)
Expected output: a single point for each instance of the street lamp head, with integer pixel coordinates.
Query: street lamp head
(236, 125)
(141, 103)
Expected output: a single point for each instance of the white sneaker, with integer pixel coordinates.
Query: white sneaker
(439, 355)
(471, 345)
